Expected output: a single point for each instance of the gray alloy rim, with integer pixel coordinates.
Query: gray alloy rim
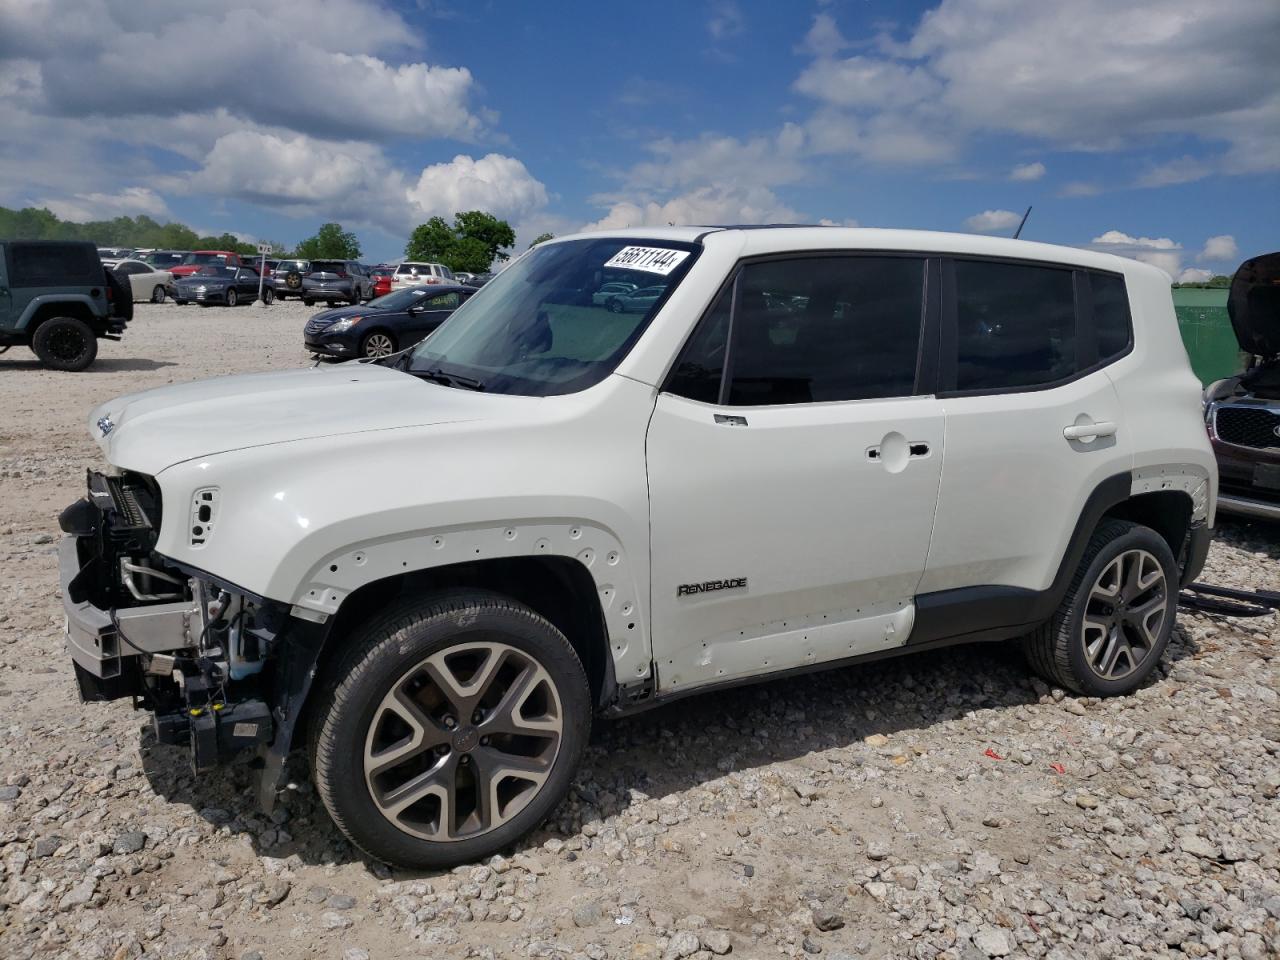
(1124, 614)
(157, 295)
(463, 741)
(378, 345)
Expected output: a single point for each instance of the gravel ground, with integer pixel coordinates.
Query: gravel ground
(945, 805)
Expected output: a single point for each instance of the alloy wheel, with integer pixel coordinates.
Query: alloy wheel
(463, 741)
(378, 345)
(66, 345)
(1124, 614)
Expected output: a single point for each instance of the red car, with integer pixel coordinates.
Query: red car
(202, 258)
(381, 282)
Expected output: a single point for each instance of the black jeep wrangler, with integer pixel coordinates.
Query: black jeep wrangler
(58, 299)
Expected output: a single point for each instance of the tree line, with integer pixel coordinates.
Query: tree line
(472, 243)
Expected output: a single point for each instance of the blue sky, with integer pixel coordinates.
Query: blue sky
(1149, 128)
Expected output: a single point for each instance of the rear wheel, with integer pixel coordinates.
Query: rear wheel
(232, 297)
(378, 344)
(452, 727)
(157, 295)
(1114, 623)
(65, 343)
(268, 295)
(615, 305)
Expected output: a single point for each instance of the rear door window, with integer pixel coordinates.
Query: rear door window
(1113, 326)
(1015, 325)
(53, 264)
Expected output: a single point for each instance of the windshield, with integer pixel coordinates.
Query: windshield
(191, 258)
(290, 265)
(543, 327)
(401, 299)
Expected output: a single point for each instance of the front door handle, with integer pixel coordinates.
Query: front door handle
(1089, 431)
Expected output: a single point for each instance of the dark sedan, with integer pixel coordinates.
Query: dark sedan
(383, 326)
(217, 284)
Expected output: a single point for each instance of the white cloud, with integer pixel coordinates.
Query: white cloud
(1090, 74)
(1027, 171)
(1117, 238)
(703, 206)
(988, 221)
(726, 20)
(1194, 275)
(129, 202)
(768, 161)
(1079, 188)
(1221, 247)
(824, 38)
(1161, 252)
(866, 82)
(495, 183)
(1182, 170)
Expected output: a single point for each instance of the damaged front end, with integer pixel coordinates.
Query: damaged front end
(201, 654)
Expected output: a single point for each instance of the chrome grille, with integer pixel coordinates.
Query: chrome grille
(1255, 427)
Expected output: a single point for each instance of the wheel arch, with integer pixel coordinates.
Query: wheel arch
(41, 309)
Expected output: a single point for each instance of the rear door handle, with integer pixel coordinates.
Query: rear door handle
(1089, 431)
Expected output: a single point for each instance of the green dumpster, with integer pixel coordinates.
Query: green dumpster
(1206, 332)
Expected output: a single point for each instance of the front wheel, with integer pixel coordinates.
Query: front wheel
(1115, 621)
(157, 295)
(232, 298)
(268, 295)
(378, 344)
(451, 728)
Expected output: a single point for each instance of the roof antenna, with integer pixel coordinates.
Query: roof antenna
(1017, 233)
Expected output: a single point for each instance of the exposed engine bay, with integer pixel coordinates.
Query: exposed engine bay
(196, 652)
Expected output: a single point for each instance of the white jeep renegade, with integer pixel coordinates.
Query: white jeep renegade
(790, 448)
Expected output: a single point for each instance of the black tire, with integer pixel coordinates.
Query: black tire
(181, 303)
(268, 296)
(381, 654)
(65, 343)
(308, 302)
(614, 305)
(233, 298)
(157, 295)
(1058, 650)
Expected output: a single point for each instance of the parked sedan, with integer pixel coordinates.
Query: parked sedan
(615, 288)
(225, 285)
(145, 281)
(637, 301)
(383, 326)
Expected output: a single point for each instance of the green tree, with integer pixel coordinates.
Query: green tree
(541, 238)
(472, 243)
(331, 242)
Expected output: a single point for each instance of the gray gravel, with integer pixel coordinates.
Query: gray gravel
(909, 808)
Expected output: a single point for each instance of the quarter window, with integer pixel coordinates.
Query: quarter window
(826, 329)
(700, 366)
(1112, 324)
(1015, 325)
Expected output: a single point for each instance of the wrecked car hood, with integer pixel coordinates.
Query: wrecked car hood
(149, 431)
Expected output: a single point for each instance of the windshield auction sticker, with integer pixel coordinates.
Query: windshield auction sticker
(649, 259)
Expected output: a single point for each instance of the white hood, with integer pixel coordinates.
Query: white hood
(155, 429)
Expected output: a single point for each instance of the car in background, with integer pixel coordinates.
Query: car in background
(106, 254)
(480, 279)
(287, 275)
(637, 301)
(196, 259)
(414, 273)
(1242, 413)
(614, 288)
(335, 280)
(215, 283)
(143, 280)
(163, 259)
(58, 299)
(381, 277)
(462, 276)
(383, 326)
